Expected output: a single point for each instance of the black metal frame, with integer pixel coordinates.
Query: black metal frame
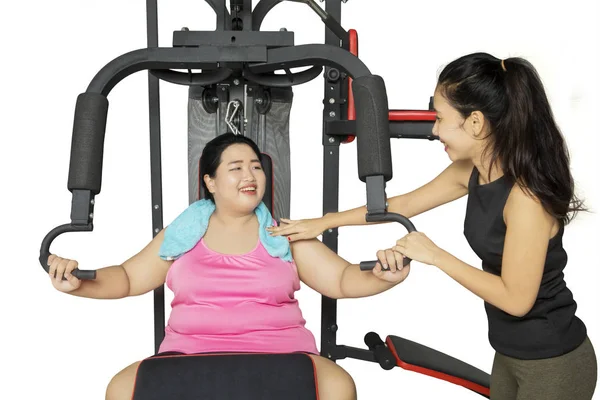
(155, 166)
(237, 40)
(238, 51)
(336, 128)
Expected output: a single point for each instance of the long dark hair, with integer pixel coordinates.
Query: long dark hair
(211, 155)
(524, 138)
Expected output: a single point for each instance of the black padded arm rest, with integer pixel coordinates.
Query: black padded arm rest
(422, 359)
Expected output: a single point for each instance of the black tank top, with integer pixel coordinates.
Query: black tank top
(551, 327)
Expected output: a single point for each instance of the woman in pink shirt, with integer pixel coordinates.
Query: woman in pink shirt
(230, 293)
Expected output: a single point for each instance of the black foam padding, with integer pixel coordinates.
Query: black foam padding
(418, 355)
(87, 145)
(227, 377)
(372, 127)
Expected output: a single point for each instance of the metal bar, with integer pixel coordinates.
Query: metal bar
(313, 54)
(247, 16)
(208, 56)
(201, 57)
(237, 92)
(155, 167)
(331, 21)
(331, 172)
(241, 14)
(398, 129)
(223, 96)
(354, 352)
(412, 130)
(228, 38)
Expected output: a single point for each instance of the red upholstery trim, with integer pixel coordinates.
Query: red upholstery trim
(315, 376)
(411, 115)
(222, 354)
(436, 374)
(135, 379)
(353, 42)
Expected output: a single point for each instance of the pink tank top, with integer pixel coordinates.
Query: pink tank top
(235, 303)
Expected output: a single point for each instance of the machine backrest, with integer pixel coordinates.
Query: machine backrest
(268, 127)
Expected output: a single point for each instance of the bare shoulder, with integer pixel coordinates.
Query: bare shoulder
(523, 206)
(521, 198)
(301, 247)
(147, 270)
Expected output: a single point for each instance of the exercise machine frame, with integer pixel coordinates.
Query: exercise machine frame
(237, 47)
(339, 127)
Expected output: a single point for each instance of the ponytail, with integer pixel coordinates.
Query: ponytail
(524, 137)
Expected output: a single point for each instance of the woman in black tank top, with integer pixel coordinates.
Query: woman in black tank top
(496, 124)
(510, 158)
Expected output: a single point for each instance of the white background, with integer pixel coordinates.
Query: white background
(62, 347)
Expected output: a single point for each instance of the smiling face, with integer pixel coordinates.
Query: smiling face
(239, 182)
(462, 137)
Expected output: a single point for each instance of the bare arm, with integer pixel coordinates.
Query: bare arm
(449, 185)
(332, 276)
(138, 275)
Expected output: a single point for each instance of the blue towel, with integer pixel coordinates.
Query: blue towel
(190, 226)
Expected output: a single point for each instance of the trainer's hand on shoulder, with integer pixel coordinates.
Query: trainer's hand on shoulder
(390, 266)
(59, 267)
(298, 230)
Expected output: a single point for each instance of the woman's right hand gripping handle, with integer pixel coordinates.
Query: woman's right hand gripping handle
(62, 267)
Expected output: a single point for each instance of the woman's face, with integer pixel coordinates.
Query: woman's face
(239, 182)
(459, 136)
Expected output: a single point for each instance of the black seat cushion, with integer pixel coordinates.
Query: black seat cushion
(226, 377)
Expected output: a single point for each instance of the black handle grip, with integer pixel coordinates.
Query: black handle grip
(369, 265)
(53, 234)
(383, 355)
(393, 217)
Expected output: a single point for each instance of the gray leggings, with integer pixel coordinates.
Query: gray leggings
(571, 376)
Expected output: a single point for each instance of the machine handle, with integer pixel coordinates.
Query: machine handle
(53, 234)
(383, 355)
(85, 172)
(389, 217)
